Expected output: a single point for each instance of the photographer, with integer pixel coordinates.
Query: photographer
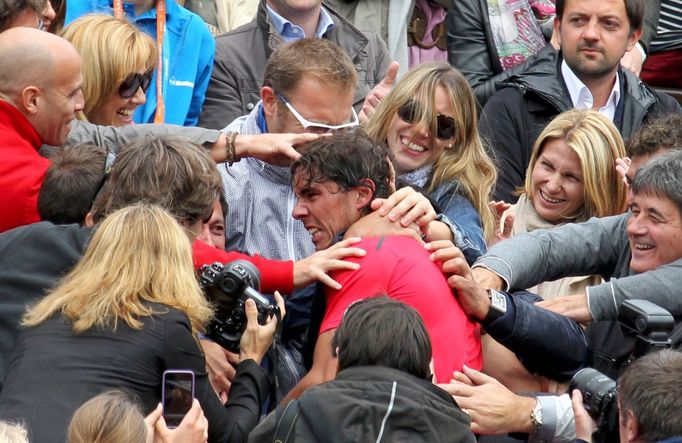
(649, 401)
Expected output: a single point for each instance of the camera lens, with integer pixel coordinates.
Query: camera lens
(597, 389)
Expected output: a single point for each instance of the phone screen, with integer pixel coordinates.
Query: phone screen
(178, 393)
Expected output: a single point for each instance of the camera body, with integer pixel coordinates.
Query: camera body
(650, 325)
(228, 287)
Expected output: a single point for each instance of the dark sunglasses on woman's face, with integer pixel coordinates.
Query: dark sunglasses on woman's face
(134, 82)
(445, 125)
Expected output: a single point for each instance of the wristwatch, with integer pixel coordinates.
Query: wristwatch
(498, 306)
(536, 417)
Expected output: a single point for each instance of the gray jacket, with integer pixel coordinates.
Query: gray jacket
(241, 56)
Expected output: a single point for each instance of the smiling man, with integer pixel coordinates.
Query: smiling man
(40, 94)
(585, 74)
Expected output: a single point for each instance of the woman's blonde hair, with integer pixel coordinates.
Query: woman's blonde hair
(110, 417)
(138, 255)
(111, 50)
(598, 144)
(466, 161)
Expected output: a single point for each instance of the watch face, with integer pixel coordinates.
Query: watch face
(498, 301)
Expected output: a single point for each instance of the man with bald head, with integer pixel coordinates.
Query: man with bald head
(40, 94)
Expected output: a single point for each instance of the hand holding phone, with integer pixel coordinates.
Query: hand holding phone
(177, 395)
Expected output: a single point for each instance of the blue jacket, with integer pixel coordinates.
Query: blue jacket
(189, 49)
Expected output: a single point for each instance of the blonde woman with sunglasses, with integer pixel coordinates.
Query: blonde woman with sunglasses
(429, 121)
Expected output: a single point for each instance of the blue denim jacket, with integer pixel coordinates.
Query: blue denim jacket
(463, 218)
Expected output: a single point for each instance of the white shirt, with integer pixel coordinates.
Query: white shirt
(582, 97)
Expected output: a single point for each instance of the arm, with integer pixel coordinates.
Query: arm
(323, 369)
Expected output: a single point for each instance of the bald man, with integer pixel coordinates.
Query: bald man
(40, 94)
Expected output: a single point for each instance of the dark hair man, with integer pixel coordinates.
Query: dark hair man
(27, 13)
(335, 180)
(242, 55)
(586, 73)
(649, 401)
(383, 351)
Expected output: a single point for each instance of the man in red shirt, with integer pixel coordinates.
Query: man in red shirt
(335, 181)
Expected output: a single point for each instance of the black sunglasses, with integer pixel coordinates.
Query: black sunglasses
(133, 82)
(445, 125)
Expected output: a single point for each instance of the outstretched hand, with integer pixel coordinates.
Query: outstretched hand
(315, 267)
(378, 93)
(572, 306)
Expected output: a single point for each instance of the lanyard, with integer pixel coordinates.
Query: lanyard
(160, 33)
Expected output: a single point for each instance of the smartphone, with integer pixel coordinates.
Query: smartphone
(177, 395)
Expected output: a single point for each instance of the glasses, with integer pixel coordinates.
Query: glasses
(445, 126)
(315, 127)
(134, 82)
(41, 25)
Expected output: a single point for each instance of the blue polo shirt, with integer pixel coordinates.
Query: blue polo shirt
(291, 32)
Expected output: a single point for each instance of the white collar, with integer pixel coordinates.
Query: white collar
(582, 98)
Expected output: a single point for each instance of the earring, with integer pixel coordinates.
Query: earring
(449, 146)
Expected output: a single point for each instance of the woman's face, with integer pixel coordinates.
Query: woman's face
(413, 145)
(557, 182)
(116, 109)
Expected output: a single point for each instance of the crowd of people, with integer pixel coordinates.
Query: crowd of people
(439, 209)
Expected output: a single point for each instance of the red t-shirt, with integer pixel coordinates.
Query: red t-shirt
(400, 268)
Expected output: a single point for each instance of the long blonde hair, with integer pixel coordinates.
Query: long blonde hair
(139, 254)
(111, 49)
(466, 161)
(597, 143)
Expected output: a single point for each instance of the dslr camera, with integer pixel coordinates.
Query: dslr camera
(228, 287)
(651, 326)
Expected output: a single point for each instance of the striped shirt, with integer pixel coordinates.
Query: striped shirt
(669, 35)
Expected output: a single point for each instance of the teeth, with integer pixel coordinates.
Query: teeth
(642, 246)
(550, 199)
(125, 112)
(313, 231)
(412, 146)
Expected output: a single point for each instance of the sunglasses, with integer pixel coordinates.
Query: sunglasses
(445, 126)
(315, 127)
(134, 82)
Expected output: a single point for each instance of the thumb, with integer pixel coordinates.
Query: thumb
(251, 312)
(391, 74)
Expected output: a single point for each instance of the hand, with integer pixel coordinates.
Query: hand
(407, 205)
(257, 338)
(151, 420)
(633, 60)
(374, 225)
(493, 408)
(471, 296)
(622, 168)
(192, 429)
(219, 365)
(584, 425)
(378, 93)
(571, 306)
(503, 224)
(488, 279)
(315, 267)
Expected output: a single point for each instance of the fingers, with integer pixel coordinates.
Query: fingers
(391, 74)
(442, 250)
(194, 412)
(576, 399)
(328, 281)
(477, 378)
(153, 416)
(280, 303)
(346, 243)
(457, 376)
(251, 314)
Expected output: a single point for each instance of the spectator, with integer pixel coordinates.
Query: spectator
(30, 13)
(213, 232)
(335, 181)
(144, 308)
(661, 67)
(118, 64)
(187, 50)
(71, 184)
(585, 74)
(393, 350)
(40, 94)
(435, 146)
(242, 55)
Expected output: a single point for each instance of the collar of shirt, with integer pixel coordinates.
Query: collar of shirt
(291, 32)
(581, 97)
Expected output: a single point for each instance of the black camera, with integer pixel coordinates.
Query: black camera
(651, 326)
(228, 287)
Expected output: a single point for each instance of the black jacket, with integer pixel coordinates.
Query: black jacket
(514, 117)
(352, 408)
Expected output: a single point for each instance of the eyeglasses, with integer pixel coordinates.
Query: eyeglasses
(315, 127)
(41, 25)
(445, 125)
(134, 82)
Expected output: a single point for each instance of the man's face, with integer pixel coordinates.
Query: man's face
(594, 35)
(654, 231)
(316, 102)
(324, 209)
(59, 101)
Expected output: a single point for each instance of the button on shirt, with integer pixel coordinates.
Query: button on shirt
(291, 32)
(582, 97)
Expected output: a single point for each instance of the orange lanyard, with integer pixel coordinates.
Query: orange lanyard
(160, 32)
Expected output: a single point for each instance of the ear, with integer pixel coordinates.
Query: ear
(269, 98)
(631, 428)
(30, 99)
(365, 193)
(634, 38)
(89, 220)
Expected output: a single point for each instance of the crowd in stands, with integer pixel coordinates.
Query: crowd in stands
(429, 216)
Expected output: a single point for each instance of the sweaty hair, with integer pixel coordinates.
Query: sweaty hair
(379, 331)
(316, 58)
(661, 177)
(633, 8)
(168, 171)
(11, 9)
(70, 183)
(663, 133)
(348, 158)
(110, 417)
(651, 389)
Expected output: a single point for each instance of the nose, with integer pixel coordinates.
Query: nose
(49, 13)
(635, 225)
(140, 98)
(79, 102)
(300, 211)
(554, 182)
(591, 31)
(205, 235)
